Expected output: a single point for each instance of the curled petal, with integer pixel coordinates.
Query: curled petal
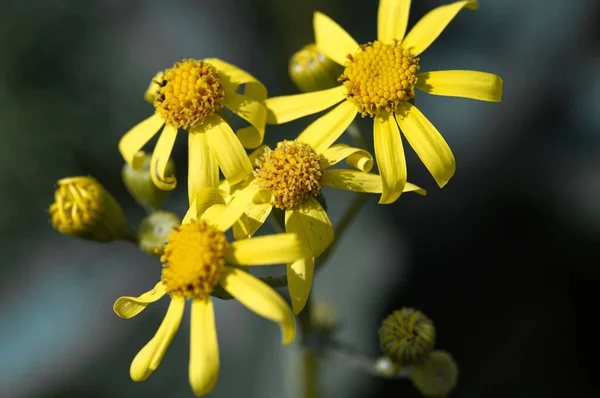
(160, 158)
(355, 157)
(260, 298)
(127, 307)
(267, 250)
(135, 139)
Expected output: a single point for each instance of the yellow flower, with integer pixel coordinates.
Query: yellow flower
(192, 95)
(197, 259)
(83, 208)
(379, 81)
(289, 178)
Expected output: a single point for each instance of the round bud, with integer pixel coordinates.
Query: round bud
(155, 229)
(437, 376)
(138, 181)
(311, 70)
(407, 336)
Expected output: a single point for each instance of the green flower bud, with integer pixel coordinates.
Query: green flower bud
(407, 336)
(437, 376)
(139, 183)
(311, 70)
(155, 229)
(83, 208)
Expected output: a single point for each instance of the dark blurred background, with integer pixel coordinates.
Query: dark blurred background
(504, 258)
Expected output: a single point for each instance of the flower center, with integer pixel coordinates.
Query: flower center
(292, 172)
(192, 259)
(380, 76)
(188, 93)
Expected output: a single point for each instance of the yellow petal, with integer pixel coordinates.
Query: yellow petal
(228, 150)
(260, 298)
(267, 250)
(432, 24)
(160, 157)
(299, 280)
(390, 157)
(355, 157)
(135, 139)
(291, 107)
(357, 181)
(332, 39)
(236, 76)
(254, 112)
(392, 19)
(324, 131)
(127, 307)
(232, 212)
(204, 348)
(310, 221)
(427, 142)
(252, 219)
(148, 359)
(203, 170)
(352, 180)
(205, 198)
(462, 83)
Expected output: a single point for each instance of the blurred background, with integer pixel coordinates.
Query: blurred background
(504, 259)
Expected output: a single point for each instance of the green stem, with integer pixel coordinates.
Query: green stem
(310, 359)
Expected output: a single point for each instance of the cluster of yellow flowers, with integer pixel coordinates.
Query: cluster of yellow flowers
(231, 188)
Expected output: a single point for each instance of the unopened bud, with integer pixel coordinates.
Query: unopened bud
(407, 336)
(83, 208)
(437, 376)
(139, 183)
(155, 229)
(311, 70)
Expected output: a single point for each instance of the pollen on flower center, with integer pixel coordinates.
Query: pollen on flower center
(189, 92)
(192, 259)
(380, 76)
(292, 172)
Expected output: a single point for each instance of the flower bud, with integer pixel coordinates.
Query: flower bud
(83, 208)
(155, 229)
(407, 336)
(437, 376)
(139, 183)
(311, 70)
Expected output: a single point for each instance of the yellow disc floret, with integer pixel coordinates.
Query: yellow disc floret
(189, 93)
(292, 172)
(380, 76)
(192, 259)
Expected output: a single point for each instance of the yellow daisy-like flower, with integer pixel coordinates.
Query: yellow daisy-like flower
(379, 80)
(197, 259)
(192, 95)
(289, 177)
